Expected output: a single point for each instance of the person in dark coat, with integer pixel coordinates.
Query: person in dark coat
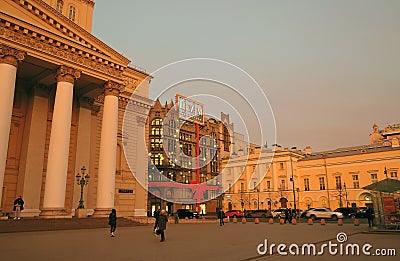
(156, 215)
(112, 221)
(370, 216)
(286, 215)
(18, 207)
(221, 215)
(162, 224)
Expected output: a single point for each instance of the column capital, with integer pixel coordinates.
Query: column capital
(10, 55)
(86, 102)
(112, 88)
(67, 74)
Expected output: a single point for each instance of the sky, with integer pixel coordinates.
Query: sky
(330, 69)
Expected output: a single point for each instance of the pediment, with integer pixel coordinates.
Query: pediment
(38, 14)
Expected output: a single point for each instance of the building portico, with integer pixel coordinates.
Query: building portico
(63, 95)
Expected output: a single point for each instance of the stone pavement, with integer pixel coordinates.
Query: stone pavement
(193, 242)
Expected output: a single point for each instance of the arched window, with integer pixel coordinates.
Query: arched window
(59, 6)
(72, 13)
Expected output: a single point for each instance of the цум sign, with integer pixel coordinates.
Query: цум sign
(190, 110)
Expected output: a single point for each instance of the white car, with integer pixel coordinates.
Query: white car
(278, 213)
(323, 213)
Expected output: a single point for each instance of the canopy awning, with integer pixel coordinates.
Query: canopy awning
(386, 185)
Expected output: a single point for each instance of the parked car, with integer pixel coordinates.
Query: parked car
(233, 213)
(317, 213)
(257, 214)
(350, 212)
(187, 213)
(278, 213)
(304, 213)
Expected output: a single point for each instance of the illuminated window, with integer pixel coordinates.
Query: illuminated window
(393, 174)
(157, 122)
(72, 13)
(324, 203)
(59, 6)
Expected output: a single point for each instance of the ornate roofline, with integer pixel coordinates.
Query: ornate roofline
(36, 7)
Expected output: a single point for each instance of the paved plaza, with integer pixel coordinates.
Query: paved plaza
(206, 241)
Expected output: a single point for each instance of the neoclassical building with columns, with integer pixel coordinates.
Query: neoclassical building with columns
(62, 103)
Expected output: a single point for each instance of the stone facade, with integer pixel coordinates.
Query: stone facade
(63, 89)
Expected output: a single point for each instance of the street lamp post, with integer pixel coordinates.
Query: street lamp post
(345, 194)
(82, 180)
(294, 193)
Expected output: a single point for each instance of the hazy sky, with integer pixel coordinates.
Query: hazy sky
(330, 69)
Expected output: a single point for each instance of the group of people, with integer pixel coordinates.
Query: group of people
(159, 226)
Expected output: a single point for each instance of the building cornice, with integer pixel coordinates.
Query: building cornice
(38, 42)
(47, 13)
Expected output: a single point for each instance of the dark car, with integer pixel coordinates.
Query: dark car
(350, 212)
(187, 213)
(257, 214)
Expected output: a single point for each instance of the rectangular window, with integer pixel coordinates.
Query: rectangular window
(321, 183)
(283, 184)
(338, 180)
(356, 183)
(241, 187)
(306, 184)
(281, 165)
(393, 174)
(268, 184)
(374, 178)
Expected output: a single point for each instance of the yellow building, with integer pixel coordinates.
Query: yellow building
(64, 93)
(274, 178)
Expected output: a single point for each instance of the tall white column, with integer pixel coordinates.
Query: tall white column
(57, 162)
(108, 151)
(141, 169)
(9, 58)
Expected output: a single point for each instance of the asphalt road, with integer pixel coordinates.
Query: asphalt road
(192, 242)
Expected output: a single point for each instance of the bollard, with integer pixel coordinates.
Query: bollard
(281, 221)
(322, 222)
(256, 221)
(271, 221)
(356, 222)
(234, 220)
(227, 220)
(310, 221)
(243, 220)
(294, 221)
(340, 222)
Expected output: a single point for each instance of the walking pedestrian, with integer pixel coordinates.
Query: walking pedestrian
(156, 215)
(286, 215)
(162, 224)
(112, 221)
(176, 218)
(18, 207)
(221, 215)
